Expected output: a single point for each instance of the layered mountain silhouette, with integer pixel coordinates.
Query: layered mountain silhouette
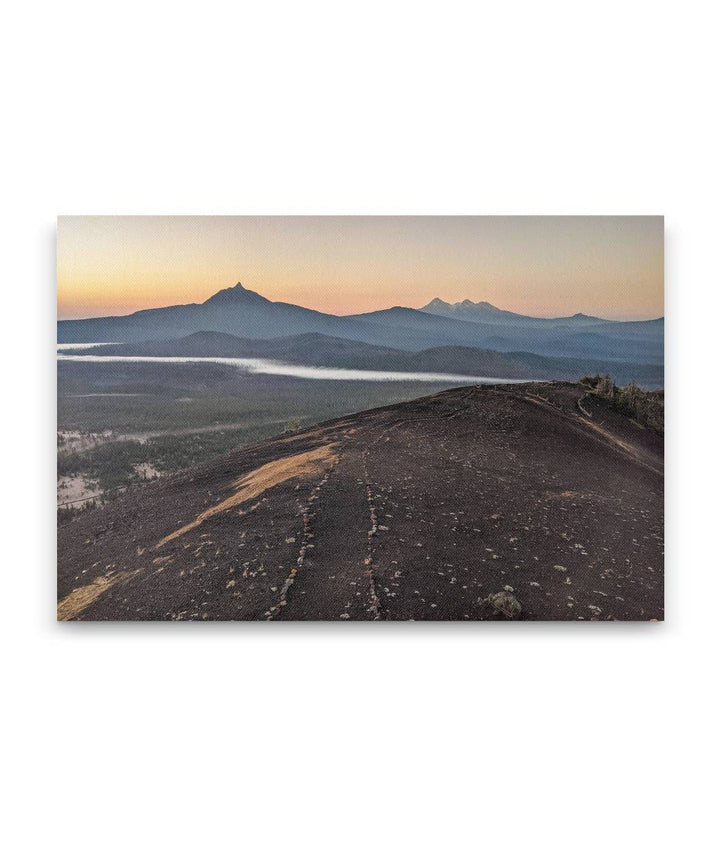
(486, 312)
(247, 314)
(317, 349)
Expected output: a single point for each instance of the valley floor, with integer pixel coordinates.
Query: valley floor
(117, 423)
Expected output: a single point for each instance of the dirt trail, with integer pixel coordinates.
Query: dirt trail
(630, 450)
(334, 581)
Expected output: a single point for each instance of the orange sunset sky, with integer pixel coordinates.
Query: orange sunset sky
(545, 266)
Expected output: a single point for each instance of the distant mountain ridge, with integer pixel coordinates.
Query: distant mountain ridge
(484, 311)
(316, 349)
(246, 314)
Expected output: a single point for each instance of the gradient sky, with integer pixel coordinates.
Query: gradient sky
(545, 266)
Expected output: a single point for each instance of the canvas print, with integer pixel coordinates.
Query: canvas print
(360, 419)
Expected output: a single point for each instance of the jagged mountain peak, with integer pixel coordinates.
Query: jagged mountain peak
(235, 294)
(438, 304)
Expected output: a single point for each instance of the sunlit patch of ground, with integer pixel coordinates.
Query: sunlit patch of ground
(79, 599)
(258, 481)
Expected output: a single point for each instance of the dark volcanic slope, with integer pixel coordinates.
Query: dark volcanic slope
(421, 510)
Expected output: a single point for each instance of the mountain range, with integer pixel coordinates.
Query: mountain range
(246, 314)
(317, 349)
(487, 313)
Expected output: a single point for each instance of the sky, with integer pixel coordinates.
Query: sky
(612, 267)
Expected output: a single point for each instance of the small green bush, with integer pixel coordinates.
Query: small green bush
(646, 408)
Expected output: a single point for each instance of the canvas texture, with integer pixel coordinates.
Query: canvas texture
(360, 419)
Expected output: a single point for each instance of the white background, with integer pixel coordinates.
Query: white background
(359, 739)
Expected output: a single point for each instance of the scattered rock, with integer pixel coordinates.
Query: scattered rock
(505, 604)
